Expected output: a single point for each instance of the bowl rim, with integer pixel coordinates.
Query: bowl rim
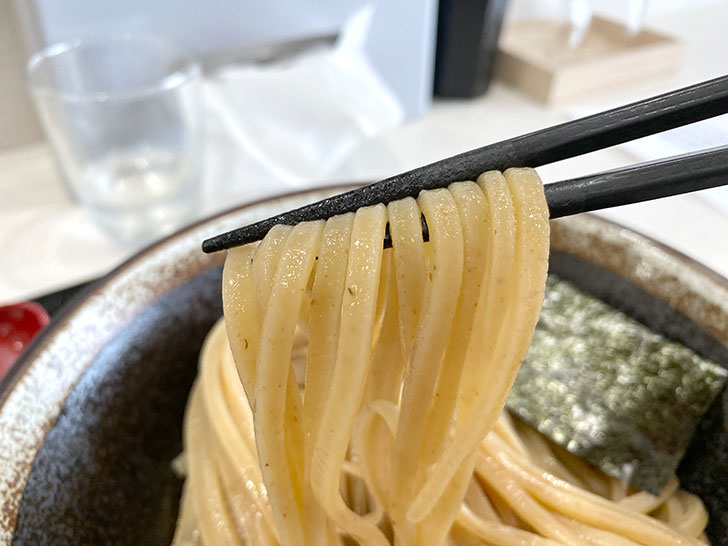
(11, 489)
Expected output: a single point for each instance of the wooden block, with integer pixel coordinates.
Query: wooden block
(534, 56)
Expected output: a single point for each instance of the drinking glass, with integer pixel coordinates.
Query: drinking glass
(123, 116)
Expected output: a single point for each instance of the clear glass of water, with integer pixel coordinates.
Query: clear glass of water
(123, 116)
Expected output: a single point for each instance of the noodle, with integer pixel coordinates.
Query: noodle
(355, 395)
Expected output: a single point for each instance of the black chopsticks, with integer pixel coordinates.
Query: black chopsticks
(622, 186)
(637, 183)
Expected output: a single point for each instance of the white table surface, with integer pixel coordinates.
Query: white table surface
(48, 242)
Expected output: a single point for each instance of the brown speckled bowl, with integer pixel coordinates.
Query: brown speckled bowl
(90, 417)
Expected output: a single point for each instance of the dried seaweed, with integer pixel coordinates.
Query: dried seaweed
(610, 390)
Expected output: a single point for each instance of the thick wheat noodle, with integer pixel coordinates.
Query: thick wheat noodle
(583, 505)
(231, 456)
(524, 292)
(356, 394)
(527, 509)
(446, 243)
(327, 294)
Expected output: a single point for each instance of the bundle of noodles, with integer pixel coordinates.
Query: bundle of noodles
(353, 395)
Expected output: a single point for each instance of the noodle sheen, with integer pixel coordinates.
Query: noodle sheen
(354, 395)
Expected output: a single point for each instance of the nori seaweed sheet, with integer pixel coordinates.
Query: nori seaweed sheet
(611, 390)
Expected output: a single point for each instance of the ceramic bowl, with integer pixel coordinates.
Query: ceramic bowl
(90, 416)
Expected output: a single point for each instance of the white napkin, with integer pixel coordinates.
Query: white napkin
(292, 123)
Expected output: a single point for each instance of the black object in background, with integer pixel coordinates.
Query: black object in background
(55, 301)
(467, 40)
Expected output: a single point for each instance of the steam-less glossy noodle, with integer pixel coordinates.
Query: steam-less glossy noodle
(354, 395)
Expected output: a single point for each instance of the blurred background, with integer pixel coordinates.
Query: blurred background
(124, 121)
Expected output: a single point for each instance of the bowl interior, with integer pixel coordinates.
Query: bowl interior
(103, 473)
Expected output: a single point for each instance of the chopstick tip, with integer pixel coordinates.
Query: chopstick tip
(211, 245)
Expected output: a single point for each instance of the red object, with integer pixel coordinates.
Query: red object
(19, 324)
